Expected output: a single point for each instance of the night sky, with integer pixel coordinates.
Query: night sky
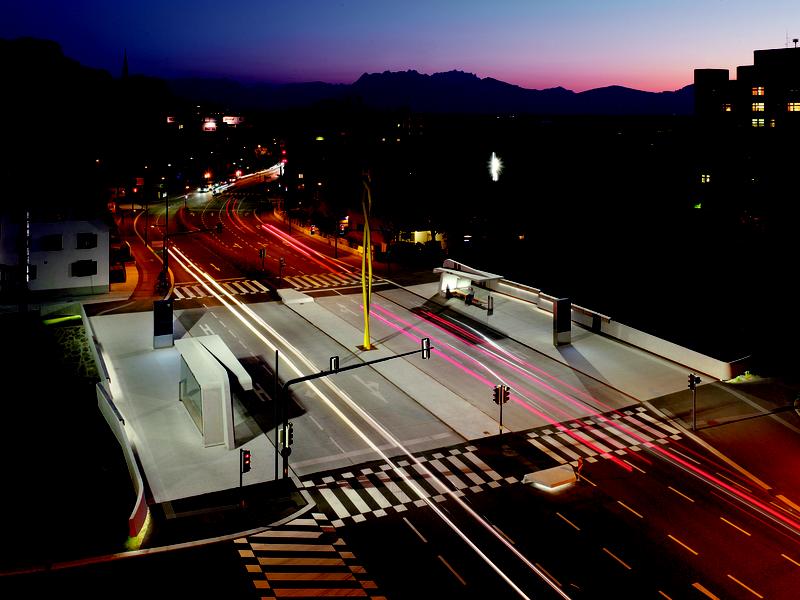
(650, 45)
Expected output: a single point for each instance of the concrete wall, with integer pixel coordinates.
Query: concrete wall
(116, 423)
(607, 326)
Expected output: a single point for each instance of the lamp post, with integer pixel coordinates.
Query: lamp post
(163, 277)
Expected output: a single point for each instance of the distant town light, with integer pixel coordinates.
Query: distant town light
(495, 167)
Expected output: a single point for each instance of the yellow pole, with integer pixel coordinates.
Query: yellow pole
(366, 263)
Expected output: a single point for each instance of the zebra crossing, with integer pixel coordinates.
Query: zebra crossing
(602, 436)
(358, 494)
(304, 558)
(240, 287)
(324, 280)
(375, 490)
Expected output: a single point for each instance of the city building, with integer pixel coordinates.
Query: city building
(62, 257)
(765, 94)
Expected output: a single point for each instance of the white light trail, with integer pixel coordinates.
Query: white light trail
(200, 275)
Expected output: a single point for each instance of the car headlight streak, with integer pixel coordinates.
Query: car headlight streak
(219, 293)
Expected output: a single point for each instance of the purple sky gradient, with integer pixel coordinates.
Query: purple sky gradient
(649, 45)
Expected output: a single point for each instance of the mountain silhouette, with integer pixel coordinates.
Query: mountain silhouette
(448, 92)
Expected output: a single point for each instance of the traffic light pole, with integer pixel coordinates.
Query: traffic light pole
(286, 451)
(693, 381)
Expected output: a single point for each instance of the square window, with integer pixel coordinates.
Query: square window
(758, 107)
(84, 268)
(758, 90)
(51, 243)
(793, 107)
(758, 122)
(86, 241)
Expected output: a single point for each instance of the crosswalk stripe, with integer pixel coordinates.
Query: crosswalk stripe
(188, 292)
(200, 293)
(457, 483)
(258, 285)
(177, 292)
(598, 432)
(322, 576)
(557, 443)
(438, 486)
(297, 283)
(258, 546)
(645, 427)
(466, 470)
(334, 502)
(230, 290)
(340, 279)
(353, 496)
(376, 495)
(284, 533)
(321, 279)
(318, 592)
(249, 287)
(575, 442)
(482, 466)
(311, 282)
(616, 431)
(658, 423)
(393, 487)
(557, 457)
(240, 287)
(605, 450)
(301, 562)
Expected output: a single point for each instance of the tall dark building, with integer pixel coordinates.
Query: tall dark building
(765, 94)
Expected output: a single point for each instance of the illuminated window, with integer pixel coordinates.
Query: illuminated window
(758, 90)
(772, 122)
(793, 107)
(726, 107)
(758, 122)
(705, 178)
(758, 107)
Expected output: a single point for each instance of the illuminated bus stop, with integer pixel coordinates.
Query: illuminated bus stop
(205, 389)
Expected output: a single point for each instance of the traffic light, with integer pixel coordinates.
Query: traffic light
(426, 348)
(504, 393)
(693, 381)
(291, 434)
(497, 394)
(245, 454)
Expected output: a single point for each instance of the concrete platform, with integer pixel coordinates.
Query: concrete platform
(291, 296)
(551, 479)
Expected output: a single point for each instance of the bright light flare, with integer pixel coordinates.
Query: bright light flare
(495, 167)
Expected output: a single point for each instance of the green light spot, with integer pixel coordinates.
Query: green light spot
(62, 319)
(699, 205)
(319, 138)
